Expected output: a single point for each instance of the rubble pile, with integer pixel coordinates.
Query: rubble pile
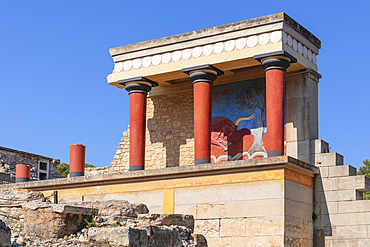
(84, 224)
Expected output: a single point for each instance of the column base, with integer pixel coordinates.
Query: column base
(274, 153)
(201, 161)
(76, 174)
(21, 180)
(136, 168)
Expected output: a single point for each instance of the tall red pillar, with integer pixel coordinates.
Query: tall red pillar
(275, 65)
(138, 89)
(202, 77)
(77, 160)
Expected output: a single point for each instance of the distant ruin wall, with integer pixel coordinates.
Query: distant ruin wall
(10, 158)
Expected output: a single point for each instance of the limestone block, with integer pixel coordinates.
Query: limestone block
(160, 236)
(359, 218)
(209, 211)
(232, 227)
(340, 195)
(298, 210)
(339, 219)
(166, 220)
(262, 226)
(5, 234)
(271, 207)
(324, 172)
(118, 237)
(186, 209)
(48, 220)
(351, 232)
(299, 150)
(115, 208)
(297, 192)
(233, 192)
(208, 228)
(318, 146)
(328, 159)
(326, 208)
(264, 190)
(342, 171)
(354, 206)
(359, 182)
(325, 184)
(195, 195)
(263, 241)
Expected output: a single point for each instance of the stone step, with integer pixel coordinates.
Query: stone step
(342, 171)
(359, 183)
(328, 159)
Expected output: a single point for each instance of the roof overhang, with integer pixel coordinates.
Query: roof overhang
(230, 48)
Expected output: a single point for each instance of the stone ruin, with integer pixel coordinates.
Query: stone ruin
(30, 219)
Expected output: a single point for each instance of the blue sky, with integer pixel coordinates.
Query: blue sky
(54, 59)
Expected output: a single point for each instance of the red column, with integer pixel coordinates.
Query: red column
(275, 109)
(202, 121)
(202, 77)
(138, 89)
(137, 130)
(76, 160)
(22, 173)
(275, 65)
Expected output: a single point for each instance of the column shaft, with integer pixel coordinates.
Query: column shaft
(202, 121)
(275, 113)
(137, 130)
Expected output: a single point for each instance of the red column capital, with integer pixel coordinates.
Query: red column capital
(202, 77)
(138, 88)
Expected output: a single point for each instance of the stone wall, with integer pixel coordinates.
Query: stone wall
(10, 158)
(169, 135)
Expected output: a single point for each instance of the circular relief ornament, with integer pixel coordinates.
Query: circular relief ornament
(263, 39)
(241, 43)
(290, 41)
(197, 51)
(285, 37)
(127, 65)
(156, 59)
(166, 58)
(309, 55)
(295, 45)
(229, 45)
(118, 67)
(186, 54)
(207, 50)
(147, 61)
(176, 56)
(305, 51)
(275, 36)
(219, 47)
(136, 63)
(252, 41)
(300, 48)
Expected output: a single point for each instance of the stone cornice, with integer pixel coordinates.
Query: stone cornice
(269, 19)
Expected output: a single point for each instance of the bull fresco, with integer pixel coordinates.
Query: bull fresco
(238, 121)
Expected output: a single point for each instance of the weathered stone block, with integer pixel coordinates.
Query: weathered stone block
(360, 182)
(166, 220)
(5, 234)
(318, 146)
(208, 228)
(328, 159)
(118, 237)
(210, 211)
(115, 208)
(232, 227)
(342, 171)
(160, 236)
(48, 220)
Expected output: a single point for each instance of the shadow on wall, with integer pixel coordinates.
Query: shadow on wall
(171, 122)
